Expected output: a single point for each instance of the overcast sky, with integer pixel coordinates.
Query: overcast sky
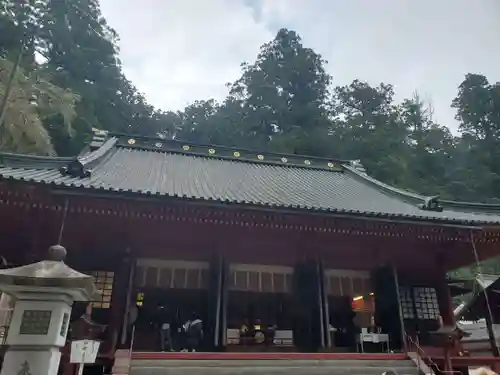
(177, 51)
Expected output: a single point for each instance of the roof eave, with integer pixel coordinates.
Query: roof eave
(400, 193)
(75, 190)
(418, 199)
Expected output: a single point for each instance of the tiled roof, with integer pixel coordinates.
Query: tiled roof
(218, 174)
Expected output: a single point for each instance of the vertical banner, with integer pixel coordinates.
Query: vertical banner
(387, 304)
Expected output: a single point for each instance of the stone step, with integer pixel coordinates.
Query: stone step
(271, 367)
(263, 371)
(406, 363)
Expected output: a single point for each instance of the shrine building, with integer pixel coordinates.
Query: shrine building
(305, 253)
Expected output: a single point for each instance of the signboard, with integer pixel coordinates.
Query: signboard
(35, 322)
(84, 351)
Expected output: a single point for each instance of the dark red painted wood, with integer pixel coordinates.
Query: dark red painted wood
(180, 230)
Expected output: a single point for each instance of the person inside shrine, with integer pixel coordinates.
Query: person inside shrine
(194, 332)
(165, 328)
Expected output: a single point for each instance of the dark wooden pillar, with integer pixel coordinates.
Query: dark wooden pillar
(309, 322)
(387, 304)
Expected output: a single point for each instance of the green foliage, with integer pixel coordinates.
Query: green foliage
(21, 25)
(33, 99)
(72, 42)
(284, 101)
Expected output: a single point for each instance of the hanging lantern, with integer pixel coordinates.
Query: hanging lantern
(139, 299)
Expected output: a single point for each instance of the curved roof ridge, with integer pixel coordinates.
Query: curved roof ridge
(243, 155)
(147, 140)
(82, 166)
(405, 194)
(97, 154)
(88, 159)
(420, 199)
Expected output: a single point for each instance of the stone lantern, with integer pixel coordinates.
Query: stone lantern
(44, 293)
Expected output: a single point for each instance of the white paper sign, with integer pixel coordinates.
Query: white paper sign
(374, 337)
(368, 337)
(84, 351)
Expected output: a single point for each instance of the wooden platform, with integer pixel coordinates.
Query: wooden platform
(268, 356)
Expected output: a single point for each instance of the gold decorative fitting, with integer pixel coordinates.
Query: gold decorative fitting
(284, 160)
(260, 157)
(331, 165)
(131, 141)
(211, 151)
(159, 144)
(236, 154)
(307, 162)
(186, 148)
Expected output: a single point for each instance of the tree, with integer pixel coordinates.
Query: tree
(477, 105)
(430, 148)
(478, 110)
(368, 128)
(283, 92)
(82, 54)
(197, 123)
(82, 57)
(32, 100)
(21, 29)
(20, 20)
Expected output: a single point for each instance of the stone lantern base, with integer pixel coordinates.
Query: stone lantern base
(38, 360)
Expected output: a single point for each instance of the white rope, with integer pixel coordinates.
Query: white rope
(486, 298)
(63, 221)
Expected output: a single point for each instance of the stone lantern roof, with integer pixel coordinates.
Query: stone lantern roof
(49, 276)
